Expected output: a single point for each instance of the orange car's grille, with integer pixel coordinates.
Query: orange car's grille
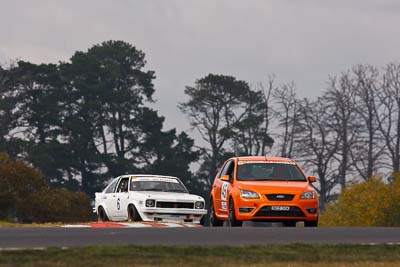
(175, 205)
(293, 212)
(280, 197)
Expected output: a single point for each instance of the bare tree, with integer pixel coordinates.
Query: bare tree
(340, 100)
(287, 113)
(317, 147)
(368, 150)
(389, 119)
(267, 141)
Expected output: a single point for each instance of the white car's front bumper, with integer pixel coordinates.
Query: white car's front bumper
(172, 215)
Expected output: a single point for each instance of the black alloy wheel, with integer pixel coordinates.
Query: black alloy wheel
(214, 221)
(101, 215)
(232, 215)
(133, 214)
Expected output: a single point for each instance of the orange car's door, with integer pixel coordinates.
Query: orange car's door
(223, 188)
(217, 191)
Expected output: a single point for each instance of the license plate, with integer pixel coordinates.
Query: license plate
(280, 208)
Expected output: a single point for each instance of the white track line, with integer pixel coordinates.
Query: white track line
(76, 226)
(137, 225)
(193, 225)
(173, 225)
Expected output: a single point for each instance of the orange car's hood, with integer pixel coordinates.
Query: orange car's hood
(275, 186)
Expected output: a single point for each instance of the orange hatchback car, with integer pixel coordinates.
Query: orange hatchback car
(257, 188)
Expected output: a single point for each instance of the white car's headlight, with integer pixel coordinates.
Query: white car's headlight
(308, 195)
(150, 202)
(249, 194)
(199, 205)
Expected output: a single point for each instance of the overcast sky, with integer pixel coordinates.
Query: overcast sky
(298, 40)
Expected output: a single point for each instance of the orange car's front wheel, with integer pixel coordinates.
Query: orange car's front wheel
(232, 215)
(213, 218)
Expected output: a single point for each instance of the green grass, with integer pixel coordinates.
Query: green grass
(274, 255)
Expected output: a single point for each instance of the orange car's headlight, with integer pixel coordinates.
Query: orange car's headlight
(249, 194)
(308, 195)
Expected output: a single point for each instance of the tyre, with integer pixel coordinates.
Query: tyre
(232, 215)
(203, 220)
(311, 223)
(101, 215)
(133, 214)
(214, 222)
(289, 224)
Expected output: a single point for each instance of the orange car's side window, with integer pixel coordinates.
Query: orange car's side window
(228, 169)
(222, 170)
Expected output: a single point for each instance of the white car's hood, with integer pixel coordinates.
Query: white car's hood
(168, 196)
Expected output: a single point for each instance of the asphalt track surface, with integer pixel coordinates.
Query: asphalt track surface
(73, 237)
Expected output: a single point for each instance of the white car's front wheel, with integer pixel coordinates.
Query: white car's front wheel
(101, 215)
(133, 214)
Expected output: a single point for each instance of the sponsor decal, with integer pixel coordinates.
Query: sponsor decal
(224, 194)
(156, 179)
(118, 204)
(223, 205)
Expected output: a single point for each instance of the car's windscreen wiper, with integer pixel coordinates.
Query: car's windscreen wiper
(177, 191)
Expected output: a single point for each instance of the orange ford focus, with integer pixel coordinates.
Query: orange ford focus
(257, 188)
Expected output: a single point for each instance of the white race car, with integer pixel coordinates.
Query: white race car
(143, 197)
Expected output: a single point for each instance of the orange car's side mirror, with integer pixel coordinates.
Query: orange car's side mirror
(225, 178)
(312, 179)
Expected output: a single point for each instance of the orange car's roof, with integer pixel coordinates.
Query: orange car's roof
(265, 158)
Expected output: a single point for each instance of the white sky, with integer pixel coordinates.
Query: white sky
(299, 40)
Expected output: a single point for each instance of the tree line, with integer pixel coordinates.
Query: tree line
(84, 121)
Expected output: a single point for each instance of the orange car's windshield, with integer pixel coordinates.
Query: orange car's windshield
(267, 171)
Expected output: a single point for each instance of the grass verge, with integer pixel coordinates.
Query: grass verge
(273, 255)
(10, 224)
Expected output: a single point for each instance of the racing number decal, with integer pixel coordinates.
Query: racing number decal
(224, 189)
(118, 204)
(224, 194)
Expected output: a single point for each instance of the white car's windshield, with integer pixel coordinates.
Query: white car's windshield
(157, 184)
(261, 171)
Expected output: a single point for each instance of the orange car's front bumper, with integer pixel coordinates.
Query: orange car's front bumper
(262, 209)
